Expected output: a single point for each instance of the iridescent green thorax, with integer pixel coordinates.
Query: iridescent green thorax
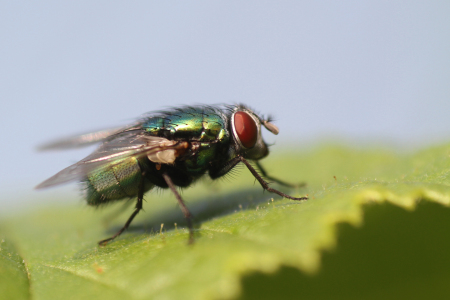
(206, 127)
(203, 124)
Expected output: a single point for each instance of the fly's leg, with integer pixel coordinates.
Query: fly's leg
(222, 170)
(184, 209)
(280, 182)
(264, 184)
(135, 212)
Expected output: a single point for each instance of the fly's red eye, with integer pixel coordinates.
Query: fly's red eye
(246, 129)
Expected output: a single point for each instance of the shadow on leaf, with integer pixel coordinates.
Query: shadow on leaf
(205, 209)
(396, 254)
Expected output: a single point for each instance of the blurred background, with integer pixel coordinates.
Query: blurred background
(356, 72)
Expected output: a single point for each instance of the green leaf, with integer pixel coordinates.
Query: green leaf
(13, 273)
(360, 235)
(396, 254)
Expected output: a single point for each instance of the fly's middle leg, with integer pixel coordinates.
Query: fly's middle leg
(184, 209)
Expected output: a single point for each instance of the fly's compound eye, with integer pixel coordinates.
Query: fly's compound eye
(246, 129)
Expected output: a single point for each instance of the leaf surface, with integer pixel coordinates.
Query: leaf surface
(245, 239)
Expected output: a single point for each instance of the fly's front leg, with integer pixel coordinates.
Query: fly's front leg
(280, 182)
(217, 172)
(137, 209)
(264, 183)
(184, 209)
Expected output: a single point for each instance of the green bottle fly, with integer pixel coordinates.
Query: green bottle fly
(167, 149)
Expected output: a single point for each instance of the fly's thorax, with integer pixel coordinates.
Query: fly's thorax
(204, 124)
(204, 129)
(116, 181)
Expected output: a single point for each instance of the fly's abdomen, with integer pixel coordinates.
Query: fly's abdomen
(114, 182)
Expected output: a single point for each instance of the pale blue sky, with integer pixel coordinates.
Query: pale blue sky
(358, 70)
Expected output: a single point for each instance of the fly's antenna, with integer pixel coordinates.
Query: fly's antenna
(270, 126)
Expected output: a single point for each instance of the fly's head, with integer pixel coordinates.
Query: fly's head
(246, 132)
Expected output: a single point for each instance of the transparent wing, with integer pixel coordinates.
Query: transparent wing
(122, 145)
(81, 140)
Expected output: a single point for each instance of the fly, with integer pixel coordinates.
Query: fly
(167, 149)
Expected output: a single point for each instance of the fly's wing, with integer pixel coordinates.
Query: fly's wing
(131, 143)
(81, 140)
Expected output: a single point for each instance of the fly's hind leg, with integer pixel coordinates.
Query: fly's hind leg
(280, 182)
(184, 209)
(137, 209)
